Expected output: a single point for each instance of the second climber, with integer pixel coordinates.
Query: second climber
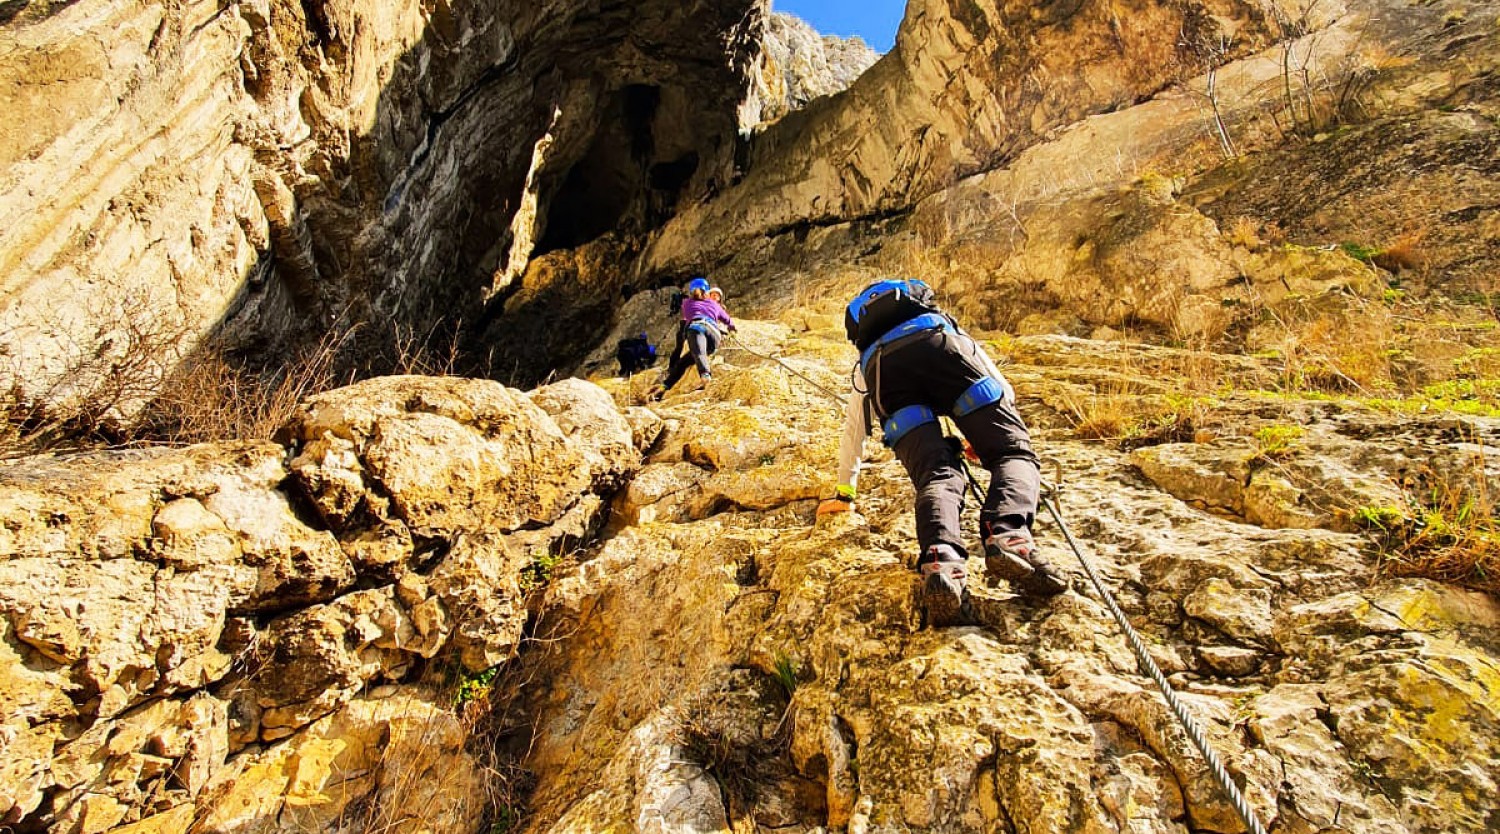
(704, 323)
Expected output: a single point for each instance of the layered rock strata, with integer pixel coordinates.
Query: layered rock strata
(221, 637)
(260, 170)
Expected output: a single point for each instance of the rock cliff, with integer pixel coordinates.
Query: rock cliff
(798, 65)
(1237, 258)
(205, 636)
(254, 637)
(260, 171)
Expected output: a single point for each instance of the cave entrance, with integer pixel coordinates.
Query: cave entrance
(618, 183)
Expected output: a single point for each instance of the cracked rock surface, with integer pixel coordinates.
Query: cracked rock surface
(1341, 698)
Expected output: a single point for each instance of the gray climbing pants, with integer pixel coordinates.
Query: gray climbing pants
(935, 370)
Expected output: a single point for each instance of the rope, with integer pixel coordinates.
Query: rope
(1143, 658)
(740, 345)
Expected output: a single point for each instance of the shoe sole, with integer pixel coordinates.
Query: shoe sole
(1007, 566)
(944, 600)
(1044, 583)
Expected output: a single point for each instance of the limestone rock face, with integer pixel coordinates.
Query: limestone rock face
(720, 640)
(255, 170)
(1136, 217)
(966, 85)
(210, 628)
(799, 65)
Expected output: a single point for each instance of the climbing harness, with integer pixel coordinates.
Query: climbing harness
(899, 424)
(740, 345)
(1189, 724)
(983, 393)
(907, 330)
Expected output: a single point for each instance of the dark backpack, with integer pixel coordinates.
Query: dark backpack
(883, 305)
(635, 354)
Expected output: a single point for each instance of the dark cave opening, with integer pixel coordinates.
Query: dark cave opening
(619, 183)
(604, 187)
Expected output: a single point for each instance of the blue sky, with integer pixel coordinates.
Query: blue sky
(873, 20)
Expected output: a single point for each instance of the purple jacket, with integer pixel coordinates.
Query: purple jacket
(704, 308)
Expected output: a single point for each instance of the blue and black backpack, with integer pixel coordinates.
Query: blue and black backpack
(884, 305)
(635, 354)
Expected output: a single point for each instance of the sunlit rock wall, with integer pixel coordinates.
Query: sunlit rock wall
(265, 168)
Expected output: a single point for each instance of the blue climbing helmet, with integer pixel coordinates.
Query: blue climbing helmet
(883, 305)
(699, 284)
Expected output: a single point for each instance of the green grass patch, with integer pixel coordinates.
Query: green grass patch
(1277, 442)
(1415, 404)
(1359, 251)
(475, 685)
(539, 572)
(1451, 536)
(787, 673)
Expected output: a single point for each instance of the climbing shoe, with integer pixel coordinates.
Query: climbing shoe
(1012, 555)
(944, 595)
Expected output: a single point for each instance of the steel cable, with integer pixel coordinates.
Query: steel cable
(1143, 659)
(739, 344)
(1189, 724)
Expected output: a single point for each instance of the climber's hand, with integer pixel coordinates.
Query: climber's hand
(969, 453)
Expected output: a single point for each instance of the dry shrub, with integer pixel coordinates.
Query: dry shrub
(418, 355)
(109, 373)
(1403, 253)
(211, 398)
(139, 392)
(1448, 532)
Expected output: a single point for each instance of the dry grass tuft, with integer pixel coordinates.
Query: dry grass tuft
(1403, 253)
(1136, 420)
(1245, 231)
(726, 733)
(1346, 347)
(1448, 533)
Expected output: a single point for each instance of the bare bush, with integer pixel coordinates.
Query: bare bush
(71, 384)
(209, 397)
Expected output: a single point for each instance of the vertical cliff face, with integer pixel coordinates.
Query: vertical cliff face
(799, 65)
(264, 168)
(968, 86)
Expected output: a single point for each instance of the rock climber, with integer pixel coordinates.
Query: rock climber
(703, 324)
(916, 365)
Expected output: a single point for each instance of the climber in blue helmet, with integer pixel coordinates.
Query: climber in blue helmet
(702, 324)
(916, 365)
